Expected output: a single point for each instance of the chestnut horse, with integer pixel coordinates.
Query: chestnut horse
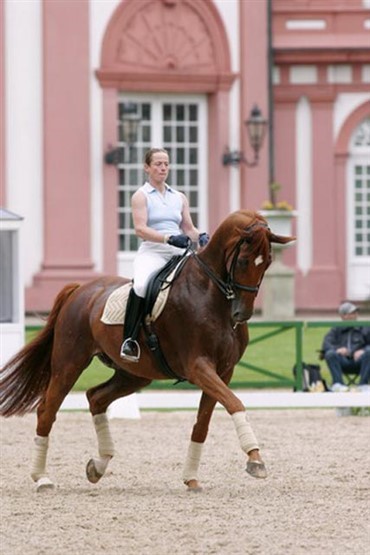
(202, 333)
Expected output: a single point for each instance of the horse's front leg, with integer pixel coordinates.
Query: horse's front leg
(204, 375)
(198, 437)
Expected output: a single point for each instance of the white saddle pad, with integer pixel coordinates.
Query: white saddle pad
(115, 307)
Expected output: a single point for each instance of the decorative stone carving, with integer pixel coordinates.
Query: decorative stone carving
(165, 35)
(166, 45)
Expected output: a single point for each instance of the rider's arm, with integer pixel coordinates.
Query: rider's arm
(140, 217)
(187, 223)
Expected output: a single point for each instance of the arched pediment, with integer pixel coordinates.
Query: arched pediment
(168, 43)
(355, 118)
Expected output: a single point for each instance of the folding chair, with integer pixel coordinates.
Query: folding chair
(350, 377)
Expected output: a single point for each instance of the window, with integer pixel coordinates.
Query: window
(361, 193)
(177, 125)
(358, 215)
(6, 275)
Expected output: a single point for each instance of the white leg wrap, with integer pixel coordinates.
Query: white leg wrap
(192, 461)
(247, 439)
(105, 442)
(38, 467)
(101, 464)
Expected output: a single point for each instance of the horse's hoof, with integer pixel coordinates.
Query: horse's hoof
(256, 469)
(44, 484)
(194, 486)
(91, 473)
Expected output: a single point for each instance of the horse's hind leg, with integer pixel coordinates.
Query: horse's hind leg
(61, 382)
(100, 397)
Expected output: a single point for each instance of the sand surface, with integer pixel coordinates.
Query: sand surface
(315, 500)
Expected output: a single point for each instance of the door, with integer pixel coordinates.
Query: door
(179, 124)
(358, 214)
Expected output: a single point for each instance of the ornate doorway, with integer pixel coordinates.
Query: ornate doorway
(167, 47)
(177, 123)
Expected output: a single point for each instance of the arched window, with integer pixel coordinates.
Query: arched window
(177, 123)
(358, 206)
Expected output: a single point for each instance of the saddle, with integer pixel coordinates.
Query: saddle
(155, 299)
(158, 282)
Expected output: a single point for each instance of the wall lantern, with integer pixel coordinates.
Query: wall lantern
(256, 127)
(129, 123)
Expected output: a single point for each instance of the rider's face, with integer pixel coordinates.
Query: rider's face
(158, 168)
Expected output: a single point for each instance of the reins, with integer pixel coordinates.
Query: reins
(228, 287)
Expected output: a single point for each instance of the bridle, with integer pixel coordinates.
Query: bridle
(228, 287)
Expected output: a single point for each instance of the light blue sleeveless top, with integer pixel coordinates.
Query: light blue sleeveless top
(164, 211)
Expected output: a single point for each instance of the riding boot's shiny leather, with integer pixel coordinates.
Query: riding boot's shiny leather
(130, 349)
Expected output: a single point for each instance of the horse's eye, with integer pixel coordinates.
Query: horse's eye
(242, 263)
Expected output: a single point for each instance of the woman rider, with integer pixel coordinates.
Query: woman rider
(162, 220)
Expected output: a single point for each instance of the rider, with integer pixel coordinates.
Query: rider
(162, 220)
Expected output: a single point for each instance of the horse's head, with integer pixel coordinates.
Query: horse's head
(248, 255)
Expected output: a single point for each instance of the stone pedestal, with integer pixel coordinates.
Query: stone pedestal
(278, 290)
(278, 284)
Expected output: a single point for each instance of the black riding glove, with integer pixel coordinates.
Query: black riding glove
(203, 239)
(182, 241)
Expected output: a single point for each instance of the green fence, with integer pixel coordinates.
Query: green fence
(276, 378)
(272, 365)
(299, 327)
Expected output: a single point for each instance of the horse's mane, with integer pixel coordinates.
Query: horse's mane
(244, 224)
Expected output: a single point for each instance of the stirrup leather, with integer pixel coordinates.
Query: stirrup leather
(131, 358)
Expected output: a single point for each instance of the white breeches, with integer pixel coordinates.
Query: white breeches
(150, 258)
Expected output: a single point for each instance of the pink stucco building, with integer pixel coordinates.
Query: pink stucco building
(193, 70)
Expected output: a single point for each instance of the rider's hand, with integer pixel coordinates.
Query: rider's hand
(203, 239)
(182, 241)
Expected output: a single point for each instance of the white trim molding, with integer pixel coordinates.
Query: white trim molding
(305, 24)
(304, 183)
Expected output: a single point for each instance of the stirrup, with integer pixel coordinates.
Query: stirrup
(131, 358)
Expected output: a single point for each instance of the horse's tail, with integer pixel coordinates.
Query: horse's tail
(25, 378)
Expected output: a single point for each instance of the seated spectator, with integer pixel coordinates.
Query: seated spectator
(347, 349)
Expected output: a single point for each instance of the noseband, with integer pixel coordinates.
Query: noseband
(228, 287)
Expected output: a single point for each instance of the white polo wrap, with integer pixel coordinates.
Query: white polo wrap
(38, 466)
(105, 442)
(246, 436)
(192, 461)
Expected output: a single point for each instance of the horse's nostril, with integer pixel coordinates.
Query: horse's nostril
(242, 315)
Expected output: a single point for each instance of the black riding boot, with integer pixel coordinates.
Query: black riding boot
(130, 349)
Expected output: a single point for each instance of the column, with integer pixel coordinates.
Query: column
(66, 186)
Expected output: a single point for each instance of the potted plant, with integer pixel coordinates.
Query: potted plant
(279, 214)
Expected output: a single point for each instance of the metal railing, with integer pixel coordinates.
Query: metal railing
(277, 379)
(299, 327)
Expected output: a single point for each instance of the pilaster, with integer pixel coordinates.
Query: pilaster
(66, 187)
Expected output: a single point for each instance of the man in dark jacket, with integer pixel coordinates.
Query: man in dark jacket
(348, 349)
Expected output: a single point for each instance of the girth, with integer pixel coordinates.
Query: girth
(156, 283)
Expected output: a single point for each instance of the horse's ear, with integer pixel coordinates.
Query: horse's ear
(280, 238)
